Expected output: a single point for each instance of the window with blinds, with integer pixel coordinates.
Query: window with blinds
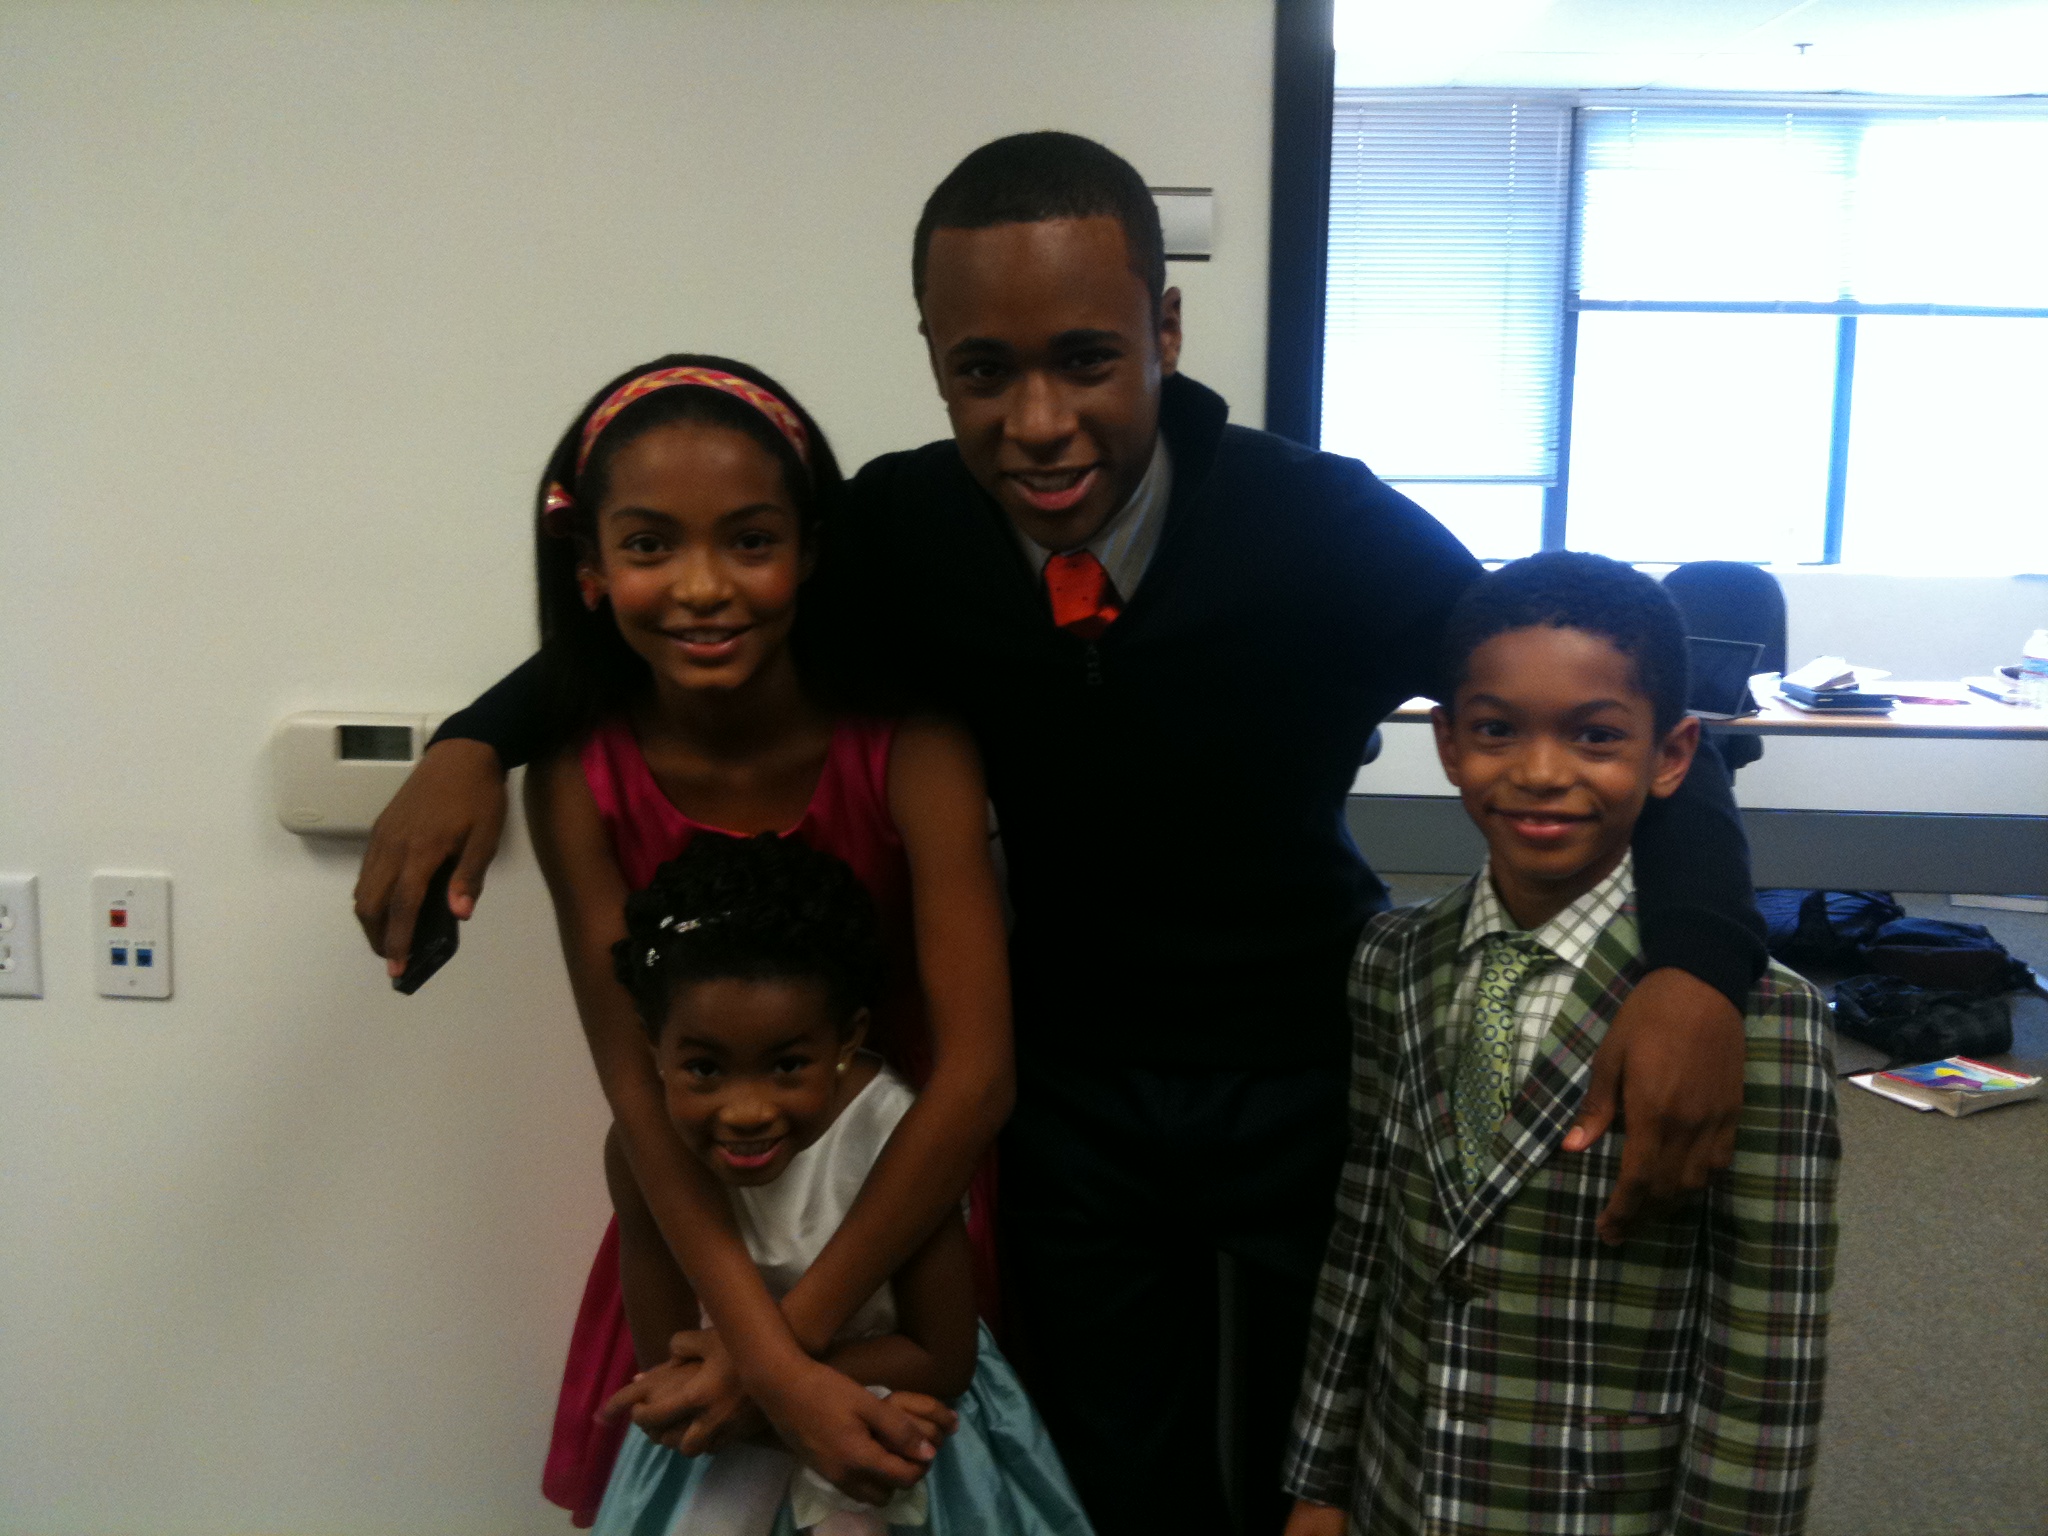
(1448, 230)
(1790, 332)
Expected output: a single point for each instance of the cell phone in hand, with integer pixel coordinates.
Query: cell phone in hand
(435, 935)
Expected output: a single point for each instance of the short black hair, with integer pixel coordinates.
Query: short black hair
(1566, 589)
(1028, 178)
(587, 669)
(763, 908)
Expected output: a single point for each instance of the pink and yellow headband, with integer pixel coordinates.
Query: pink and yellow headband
(559, 503)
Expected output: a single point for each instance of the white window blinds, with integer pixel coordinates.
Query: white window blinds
(1447, 249)
(1813, 205)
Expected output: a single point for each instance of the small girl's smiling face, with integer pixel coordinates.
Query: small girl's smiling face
(755, 1070)
(699, 547)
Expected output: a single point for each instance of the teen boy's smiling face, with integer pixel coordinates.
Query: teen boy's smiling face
(1049, 354)
(751, 1069)
(1554, 749)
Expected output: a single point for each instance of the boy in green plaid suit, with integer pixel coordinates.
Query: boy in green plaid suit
(1479, 1360)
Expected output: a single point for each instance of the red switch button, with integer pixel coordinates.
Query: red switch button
(117, 917)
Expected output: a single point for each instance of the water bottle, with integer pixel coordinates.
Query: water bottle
(2033, 689)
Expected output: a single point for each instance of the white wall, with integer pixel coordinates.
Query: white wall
(1917, 627)
(293, 300)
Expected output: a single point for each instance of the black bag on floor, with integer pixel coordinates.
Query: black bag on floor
(1913, 1024)
(1823, 927)
(1958, 957)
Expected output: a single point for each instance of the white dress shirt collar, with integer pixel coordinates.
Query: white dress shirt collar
(1568, 939)
(1126, 542)
(1571, 934)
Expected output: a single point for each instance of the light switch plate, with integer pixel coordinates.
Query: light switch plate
(1187, 220)
(131, 916)
(21, 938)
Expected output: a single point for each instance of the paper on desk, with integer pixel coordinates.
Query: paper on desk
(1828, 673)
(1825, 672)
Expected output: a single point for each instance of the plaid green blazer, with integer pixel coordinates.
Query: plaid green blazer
(1480, 1362)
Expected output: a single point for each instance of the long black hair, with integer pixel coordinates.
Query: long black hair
(587, 668)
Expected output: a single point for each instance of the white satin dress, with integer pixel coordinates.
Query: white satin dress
(997, 1473)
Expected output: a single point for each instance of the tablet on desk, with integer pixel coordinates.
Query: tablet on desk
(1718, 674)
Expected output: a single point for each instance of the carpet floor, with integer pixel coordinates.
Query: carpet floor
(1937, 1417)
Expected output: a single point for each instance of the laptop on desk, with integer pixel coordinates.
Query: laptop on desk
(1718, 673)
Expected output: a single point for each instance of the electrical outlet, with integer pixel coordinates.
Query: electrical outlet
(21, 938)
(132, 929)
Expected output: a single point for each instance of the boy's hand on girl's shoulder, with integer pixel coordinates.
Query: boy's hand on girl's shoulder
(1315, 1520)
(452, 805)
(1673, 1061)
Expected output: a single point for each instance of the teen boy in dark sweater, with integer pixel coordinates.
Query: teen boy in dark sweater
(1171, 638)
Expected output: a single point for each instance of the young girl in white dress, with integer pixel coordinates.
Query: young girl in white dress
(750, 962)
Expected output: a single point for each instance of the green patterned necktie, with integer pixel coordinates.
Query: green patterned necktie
(1484, 1085)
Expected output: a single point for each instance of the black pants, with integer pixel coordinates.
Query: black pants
(1120, 1188)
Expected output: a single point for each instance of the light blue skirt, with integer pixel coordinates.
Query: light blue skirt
(997, 1473)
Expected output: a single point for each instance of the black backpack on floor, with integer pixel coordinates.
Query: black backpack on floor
(1914, 1024)
(1824, 928)
(1958, 957)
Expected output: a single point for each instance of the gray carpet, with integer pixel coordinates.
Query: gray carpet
(1937, 1417)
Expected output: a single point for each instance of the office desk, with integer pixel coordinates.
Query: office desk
(1976, 719)
(1836, 850)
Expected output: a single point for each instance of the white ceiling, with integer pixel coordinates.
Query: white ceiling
(1915, 47)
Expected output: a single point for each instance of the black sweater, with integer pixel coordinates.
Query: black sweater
(1172, 795)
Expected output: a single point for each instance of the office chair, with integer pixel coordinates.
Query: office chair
(1727, 600)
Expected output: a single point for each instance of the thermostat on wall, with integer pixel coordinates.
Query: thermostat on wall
(333, 773)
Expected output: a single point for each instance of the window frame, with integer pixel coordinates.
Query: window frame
(1846, 311)
(1305, 102)
(1298, 243)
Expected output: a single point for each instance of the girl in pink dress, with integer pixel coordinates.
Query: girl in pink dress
(679, 517)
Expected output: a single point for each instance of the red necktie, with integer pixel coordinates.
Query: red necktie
(1084, 599)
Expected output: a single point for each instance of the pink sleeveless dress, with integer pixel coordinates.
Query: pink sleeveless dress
(848, 817)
